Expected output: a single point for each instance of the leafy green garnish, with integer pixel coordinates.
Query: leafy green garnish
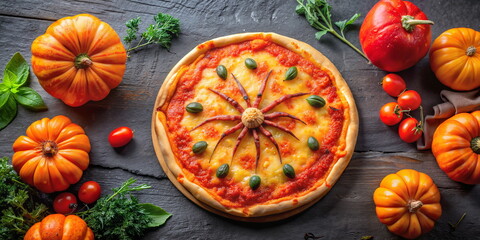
(318, 14)
(13, 90)
(162, 32)
(121, 217)
(19, 211)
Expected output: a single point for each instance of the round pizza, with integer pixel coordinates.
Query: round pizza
(254, 124)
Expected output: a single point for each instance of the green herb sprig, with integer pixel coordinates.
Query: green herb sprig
(13, 90)
(162, 32)
(19, 210)
(318, 14)
(121, 217)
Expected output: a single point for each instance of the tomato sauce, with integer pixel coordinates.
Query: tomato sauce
(236, 194)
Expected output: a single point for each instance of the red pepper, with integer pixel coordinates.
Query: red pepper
(395, 35)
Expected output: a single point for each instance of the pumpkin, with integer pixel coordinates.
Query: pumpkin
(60, 227)
(408, 202)
(455, 58)
(79, 59)
(53, 155)
(456, 146)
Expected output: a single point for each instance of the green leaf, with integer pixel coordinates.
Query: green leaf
(3, 87)
(4, 98)
(29, 98)
(132, 29)
(300, 9)
(8, 112)
(344, 24)
(320, 34)
(158, 215)
(19, 67)
(9, 78)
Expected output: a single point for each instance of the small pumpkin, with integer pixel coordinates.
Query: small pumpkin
(455, 58)
(79, 59)
(53, 155)
(408, 202)
(456, 146)
(60, 227)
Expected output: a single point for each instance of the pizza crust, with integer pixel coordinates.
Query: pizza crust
(166, 156)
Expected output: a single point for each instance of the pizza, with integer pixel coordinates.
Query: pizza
(254, 124)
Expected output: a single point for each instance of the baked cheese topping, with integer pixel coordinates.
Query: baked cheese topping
(325, 124)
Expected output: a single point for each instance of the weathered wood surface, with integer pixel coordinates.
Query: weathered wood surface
(347, 212)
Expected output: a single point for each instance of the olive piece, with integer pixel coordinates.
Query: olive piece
(199, 147)
(288, 171)
(194, 107)
(250, 63)
(222, 72)
(222, 171)
(313, 143)
(254, 182)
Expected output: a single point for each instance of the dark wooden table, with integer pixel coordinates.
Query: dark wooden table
(347, 212)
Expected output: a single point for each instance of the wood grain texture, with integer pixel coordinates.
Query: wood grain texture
(347, 212)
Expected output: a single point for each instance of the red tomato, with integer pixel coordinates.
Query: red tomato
(409, 100)
(65, 203)
(395, 35)
(391, 113)
(120, 136)
(409, 131)
(89, 192)
(393, 84)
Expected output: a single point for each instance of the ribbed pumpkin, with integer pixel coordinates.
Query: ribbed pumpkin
(455, 58)
(456, 146)
(60, 227)
(79, 59)
(408, 202)
(53, 155)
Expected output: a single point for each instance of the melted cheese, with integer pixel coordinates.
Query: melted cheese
(243, 165)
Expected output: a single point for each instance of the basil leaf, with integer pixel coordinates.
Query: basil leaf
(27, 97)
(19, 67)
(3, 88)
(8, 112)
(158, 215)
(9, 78)
(320, 34)
(4, 98)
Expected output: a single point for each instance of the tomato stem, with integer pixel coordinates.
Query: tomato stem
(471, 50)
(409, 22)
(49, 148)
(475, 145)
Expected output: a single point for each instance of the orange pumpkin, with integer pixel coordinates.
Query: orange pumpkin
(60, 227)
(455, 58)
(456, 146)
(79, 59)
(408, 202)
(53, 155)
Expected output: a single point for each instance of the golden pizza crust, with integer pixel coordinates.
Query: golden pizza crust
(164, 150)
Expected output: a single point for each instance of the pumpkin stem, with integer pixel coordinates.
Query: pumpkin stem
(49, 148)
(475, 145)
(409, 22)
(414, 205)
(82, 61)
(471, 50)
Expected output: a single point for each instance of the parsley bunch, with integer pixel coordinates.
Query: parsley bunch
(19, 211)
(162, 32)
(318, 14)
(121, 217)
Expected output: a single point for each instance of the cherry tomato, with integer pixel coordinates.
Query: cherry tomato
(391, 113)
(65, 203)
(393, 84)
(89, 192)
(120, 136)
(409, 100)
(409, 131)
